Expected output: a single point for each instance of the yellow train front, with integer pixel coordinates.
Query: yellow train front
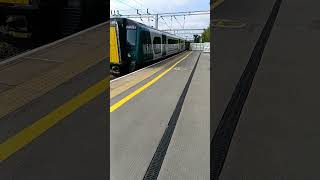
(133, 45)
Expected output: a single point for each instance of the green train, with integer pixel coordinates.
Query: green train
(133, 45)
(49, 20)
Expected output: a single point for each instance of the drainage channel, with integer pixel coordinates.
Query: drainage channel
(157, 160)
(221, 140)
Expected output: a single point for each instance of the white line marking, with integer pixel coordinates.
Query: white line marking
(41, 59)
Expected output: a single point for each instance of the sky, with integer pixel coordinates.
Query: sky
(126, 7)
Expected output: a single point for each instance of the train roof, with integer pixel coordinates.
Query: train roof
(141, 24)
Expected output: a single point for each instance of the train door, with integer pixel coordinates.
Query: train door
(164, 45)
(147, 53)
(156, 47)
(131, 47)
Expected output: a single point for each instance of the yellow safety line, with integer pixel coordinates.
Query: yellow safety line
(223, 23)
(136, 92)
(27, 135)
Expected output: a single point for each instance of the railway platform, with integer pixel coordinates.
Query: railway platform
(53, 114)
(145, 106)
(52, 110)
(277, 134)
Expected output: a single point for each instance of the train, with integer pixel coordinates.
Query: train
(133, 45)
(48, 20)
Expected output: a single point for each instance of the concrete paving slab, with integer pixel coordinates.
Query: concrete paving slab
(76, 59)
(188, 155)
(137, 127)
(277, 136)
(75, 148)
(25, 70)
(232, 49)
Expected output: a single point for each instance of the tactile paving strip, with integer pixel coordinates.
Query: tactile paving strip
(75, 54)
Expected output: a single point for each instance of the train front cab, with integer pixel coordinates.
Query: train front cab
(133, 45)
(123, 46)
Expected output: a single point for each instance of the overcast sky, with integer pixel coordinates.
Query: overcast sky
(164, 6)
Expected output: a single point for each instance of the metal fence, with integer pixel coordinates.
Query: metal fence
(205, 47)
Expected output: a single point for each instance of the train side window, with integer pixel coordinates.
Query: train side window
(157, 45)
(131, 37)
(156, 40)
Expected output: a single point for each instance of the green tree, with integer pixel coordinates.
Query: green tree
(206, 35)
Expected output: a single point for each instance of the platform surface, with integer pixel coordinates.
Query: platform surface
(278, 135)
(33, 74)
(53, 124)
(136, 127)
